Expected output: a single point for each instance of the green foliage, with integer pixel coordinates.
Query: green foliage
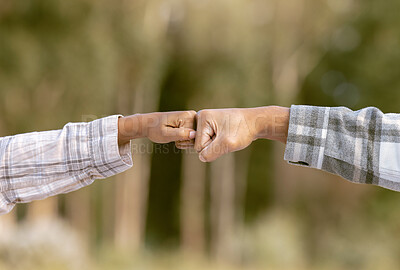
(75, 60)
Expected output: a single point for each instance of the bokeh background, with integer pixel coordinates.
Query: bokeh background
(77, 60)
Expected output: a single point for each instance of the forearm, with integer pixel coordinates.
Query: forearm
(37, 165)
(271, 122)
(130, 127)
(361, 146)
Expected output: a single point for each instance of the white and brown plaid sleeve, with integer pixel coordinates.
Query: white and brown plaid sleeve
(361, 146)
(37, 165)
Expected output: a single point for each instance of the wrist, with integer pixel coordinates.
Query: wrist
(130, 128)
(271, 122)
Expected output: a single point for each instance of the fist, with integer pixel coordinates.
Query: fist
(222, 131)
(160, 127)
(171, 127)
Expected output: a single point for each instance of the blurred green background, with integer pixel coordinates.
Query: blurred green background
(77, 60)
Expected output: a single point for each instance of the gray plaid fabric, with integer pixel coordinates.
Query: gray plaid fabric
(37, 165)
(361, 146)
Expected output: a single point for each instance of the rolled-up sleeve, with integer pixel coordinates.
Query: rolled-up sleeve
(37, 165)
(361, 146)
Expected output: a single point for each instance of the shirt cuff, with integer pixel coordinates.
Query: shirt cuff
(108, 158)
(308, 128)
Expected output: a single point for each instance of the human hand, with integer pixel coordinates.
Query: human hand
(222, 131)
(160, 127)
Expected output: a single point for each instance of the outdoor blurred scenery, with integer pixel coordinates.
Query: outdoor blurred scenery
(78, 60)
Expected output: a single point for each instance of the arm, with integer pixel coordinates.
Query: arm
(228, 130)
(37, 165)
(361, 146)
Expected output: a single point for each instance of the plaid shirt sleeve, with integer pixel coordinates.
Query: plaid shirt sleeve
(361, 146)
(37, 165)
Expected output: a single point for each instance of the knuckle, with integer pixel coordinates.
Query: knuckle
(205, 116)
(189, 114)
(199, 114)
(204, 112)
(192, 113)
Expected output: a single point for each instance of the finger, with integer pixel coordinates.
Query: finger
(189, 120)
(187, 141)
(204, 133)
(213, 151)
(179, 134)
(184, 146)
(206, 138)
(199, 130)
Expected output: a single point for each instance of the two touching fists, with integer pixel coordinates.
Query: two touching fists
(212, 133)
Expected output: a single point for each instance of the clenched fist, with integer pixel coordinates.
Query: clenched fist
(159, 127)
(222, 131)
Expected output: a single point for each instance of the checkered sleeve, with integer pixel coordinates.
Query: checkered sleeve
(361, 146)
(37, 165)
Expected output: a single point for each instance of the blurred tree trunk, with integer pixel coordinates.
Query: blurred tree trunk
(78, 211)
(132, 186)
(79, 208)
(131, 201)
(288, 39)
(294, 56)
(47, 208)
(241, 171)
(8, 222)
(192, 204)
(223, 207)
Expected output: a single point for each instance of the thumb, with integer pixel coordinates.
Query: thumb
(179, 134)
(213, 151)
